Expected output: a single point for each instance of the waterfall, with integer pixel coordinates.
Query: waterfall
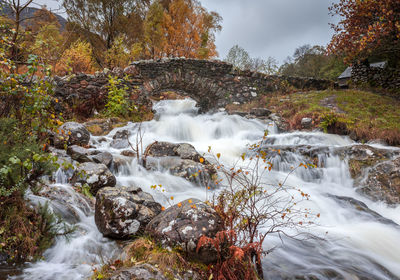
(355, 245)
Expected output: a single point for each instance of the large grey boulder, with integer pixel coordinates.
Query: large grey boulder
(383, 182)
(260, 112)
(180, 160)
(105, 158)
(306, 123)
(71, 133)
(120, 140)
(79, 153)
(96, 175)
(122, 212)
(183, 224)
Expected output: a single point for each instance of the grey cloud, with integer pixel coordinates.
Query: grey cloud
(271, 27)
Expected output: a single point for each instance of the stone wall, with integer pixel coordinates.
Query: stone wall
(387, 78)
(213, 84)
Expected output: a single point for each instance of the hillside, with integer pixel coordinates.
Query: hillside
(28, 13)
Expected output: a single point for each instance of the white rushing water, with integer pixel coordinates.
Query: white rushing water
(356, 245)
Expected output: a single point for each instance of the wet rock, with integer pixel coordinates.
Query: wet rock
(139, 272)
(79, 153)
(121, 134)
(306, 123)
(239, 113)
(128, 153)
(119, 144)
(362, 157)
(105, 158)
(383, 182)
(120, 140)
(122, 212)
(119, 162)
(190, 170)
(183, 224)
(279, 122)
(260, 112)
(71, 133)
(181, 160)
(66, 202)
(375, 172)
(362, 207)
(96, 175)
(99, 127)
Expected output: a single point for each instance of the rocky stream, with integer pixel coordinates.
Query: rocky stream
(355, 188)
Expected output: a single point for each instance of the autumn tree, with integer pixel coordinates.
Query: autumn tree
(118, 55)
(17, 8)
(105, 20)
(154, 31)
(189, 30)
(48, 44)
(367, 28)
(77, 58)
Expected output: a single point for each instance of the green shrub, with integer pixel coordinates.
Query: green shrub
(22, 159)
(118, 104)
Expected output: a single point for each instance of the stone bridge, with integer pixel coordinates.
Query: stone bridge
(213, 84)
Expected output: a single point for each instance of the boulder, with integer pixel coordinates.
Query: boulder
(105, 158)
(181, 160)
(183, 224)
(279, 122)
(306, 123)
(138, 272)
(119, 144)
(260, 112)
(383, 182)
(103, 126)
(120, 139)
(79, 153)
(96, 175)
(376, 171)
(190, 170)
(122, 212)
(67, 204)
(71, 133)
(121, 134)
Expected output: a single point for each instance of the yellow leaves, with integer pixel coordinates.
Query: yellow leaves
(172, 198)
(163, 208)
(209, 149)
(190, 201)
(218, 155)
(179, 205)
(201, 160)
(243, 156)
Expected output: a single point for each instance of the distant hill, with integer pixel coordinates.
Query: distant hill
(27, 13)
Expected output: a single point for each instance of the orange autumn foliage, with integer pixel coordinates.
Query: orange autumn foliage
(184, 29)
(367, 28)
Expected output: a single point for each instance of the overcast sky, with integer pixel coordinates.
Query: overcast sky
(266, 27)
